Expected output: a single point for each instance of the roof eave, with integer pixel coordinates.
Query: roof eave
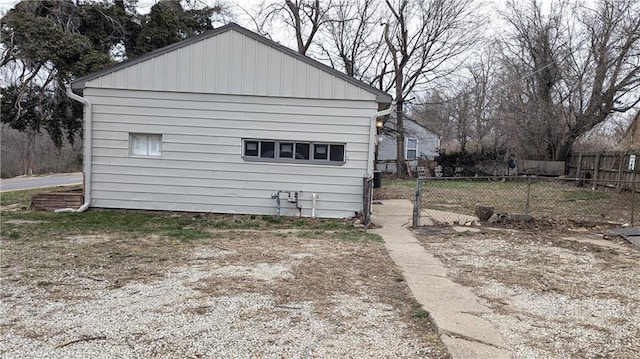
(384, 99)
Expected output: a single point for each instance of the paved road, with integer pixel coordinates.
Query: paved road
(20, 183)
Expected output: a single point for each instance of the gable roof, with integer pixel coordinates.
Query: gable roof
(391, 123)
(81, 83)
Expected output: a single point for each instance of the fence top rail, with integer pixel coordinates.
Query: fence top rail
(613, 153)
(524, 178)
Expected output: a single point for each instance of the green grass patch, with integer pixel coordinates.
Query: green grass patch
(178, 226)
(59, 225)
(356, 236)
(585, 195)
(23, 198)
(183, 227)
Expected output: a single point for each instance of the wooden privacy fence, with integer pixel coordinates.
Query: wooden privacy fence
(606, 167)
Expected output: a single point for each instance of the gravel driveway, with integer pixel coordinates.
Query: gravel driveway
(242, 294)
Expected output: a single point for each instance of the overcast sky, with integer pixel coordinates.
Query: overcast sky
(144, 5)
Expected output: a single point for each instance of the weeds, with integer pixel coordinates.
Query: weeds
(418, 312)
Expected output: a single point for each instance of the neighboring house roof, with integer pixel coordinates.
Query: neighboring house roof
(390, 123)
(631, 138)
(381, 97)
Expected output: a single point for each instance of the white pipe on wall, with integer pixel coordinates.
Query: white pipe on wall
(87, 151)
(372, 136)
(314, 196)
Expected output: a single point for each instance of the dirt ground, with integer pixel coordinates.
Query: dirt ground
(555, 292)
(239, 294)
(557, 288)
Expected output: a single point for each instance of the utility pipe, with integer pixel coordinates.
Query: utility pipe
(314, 196)
(87, 110)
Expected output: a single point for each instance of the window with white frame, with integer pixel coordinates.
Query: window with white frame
(293, 151)
(411, 148)
(145, 144)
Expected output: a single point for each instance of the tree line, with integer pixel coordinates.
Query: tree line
(548, 76)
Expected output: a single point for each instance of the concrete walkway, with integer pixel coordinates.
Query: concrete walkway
(454, 308)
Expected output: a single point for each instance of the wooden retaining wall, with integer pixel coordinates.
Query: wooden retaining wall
(56, 200)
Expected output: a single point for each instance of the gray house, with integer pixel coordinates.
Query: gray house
(419, 143)
(228, 122)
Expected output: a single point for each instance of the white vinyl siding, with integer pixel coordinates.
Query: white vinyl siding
(232, 63)
(146, 144)
(202, 167)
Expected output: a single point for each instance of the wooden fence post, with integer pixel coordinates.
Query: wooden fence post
(619, 175)
(596, 169)
(579, 166)
(417, 206)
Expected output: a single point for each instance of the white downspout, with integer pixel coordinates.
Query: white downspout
(87, 152)
(372, 137)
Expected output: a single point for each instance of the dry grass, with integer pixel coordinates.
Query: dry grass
(68, 258)
(542, 198)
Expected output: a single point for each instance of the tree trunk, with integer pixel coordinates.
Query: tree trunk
(564, 151)
(401, 165)
(31, 149)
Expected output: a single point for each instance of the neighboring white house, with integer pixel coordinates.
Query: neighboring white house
(221, 123)
(419, 143)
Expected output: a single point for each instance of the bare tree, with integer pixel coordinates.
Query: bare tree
(483, 81)
(472, 106)
(425, 40)
(305, 18)
(432, 111)
(353, 37)
(573, 71)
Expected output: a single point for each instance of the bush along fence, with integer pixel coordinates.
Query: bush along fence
(466, 199)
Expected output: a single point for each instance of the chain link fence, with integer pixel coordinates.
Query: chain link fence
(463, 199)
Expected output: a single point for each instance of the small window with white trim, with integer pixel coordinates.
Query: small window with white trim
(412, 149)
(145, 144)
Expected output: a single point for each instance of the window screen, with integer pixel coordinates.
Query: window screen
(337, 153)
(267, 149)
(302, 151)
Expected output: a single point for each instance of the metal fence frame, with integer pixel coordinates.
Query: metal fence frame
(633, 188)
(367, 200)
